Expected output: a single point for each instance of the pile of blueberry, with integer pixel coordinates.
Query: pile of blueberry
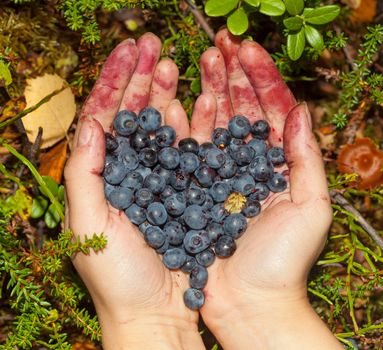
(192, 202)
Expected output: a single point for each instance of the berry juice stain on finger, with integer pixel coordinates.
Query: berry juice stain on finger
(147, 62)
(165, 84)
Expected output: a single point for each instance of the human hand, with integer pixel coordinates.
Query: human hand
(139, 302)
(257, 298)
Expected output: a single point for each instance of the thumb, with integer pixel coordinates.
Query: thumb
(87, 206)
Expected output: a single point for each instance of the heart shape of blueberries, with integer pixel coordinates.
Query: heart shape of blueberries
(192, 202)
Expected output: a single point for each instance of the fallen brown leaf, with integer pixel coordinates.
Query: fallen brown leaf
(52, 162)
(54, 116)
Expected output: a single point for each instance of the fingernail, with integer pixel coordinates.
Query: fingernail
(86, 131)
(175, 102)
(308, 115)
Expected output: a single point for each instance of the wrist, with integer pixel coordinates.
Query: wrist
(154, 331)
(272, 324)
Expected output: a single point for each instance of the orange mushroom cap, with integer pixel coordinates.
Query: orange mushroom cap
(364, 158)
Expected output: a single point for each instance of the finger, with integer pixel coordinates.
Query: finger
(83, 182)
(273, 94)
(214, 80)
(137, 93)
(244, 101)
(104, 100)
(203, 118)
(304, 159)
(176, 117)
(164, 85)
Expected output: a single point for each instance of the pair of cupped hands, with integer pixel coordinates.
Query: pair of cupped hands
(256, 299)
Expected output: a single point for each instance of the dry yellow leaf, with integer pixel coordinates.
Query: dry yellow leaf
(54, 116)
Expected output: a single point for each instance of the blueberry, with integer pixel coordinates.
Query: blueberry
(174, 258)
(235, 225)
(144, 197)
(189, 264)
(276, 156)
(148, 157)
(261, 169)
(140, 140)
(109, 158)
(195, 217)
(165, 173)
(205, 175)
(239, 126)
(277, 183)
(234, 145)
(189, 162)
(167, 192)
(206, 257)
(260, 129)
(219, 191)
(125, 123)
(188, 145)
(208, 203)
(259, 147)
(129, 157)
(154, 236)
(156, 214)
(144, 226)
(243, 184)
(196, 241)
(229, 169)
(121, 198)
(144, 171)
(149, 119)
(198, 277)
(215, 158)
(221, 137)
(204, 148)
(195, 195)
(175, 204)
(111, 143)
(243, 155)
(214, 231)
(164, 247)
(179, 180)
(114, 172)
(175, 232)
(133, 180)
(259, 192)
(225, 246)
(108, 188)
(155, 183)
(136, 214)
(194, 298)
(153, 145)
(169, 157)
(218, 213)
(251, 209)
(165, 136)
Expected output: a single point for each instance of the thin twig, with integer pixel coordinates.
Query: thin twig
(31, 109)
(339, 199)
(346, 51)
(199, 17)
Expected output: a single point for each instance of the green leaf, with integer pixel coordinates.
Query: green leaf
(314, 38)
(191, 71)
(272, 7)
(321, 15)
(254, 3)
(294, 7)
(61, 193)
(216, 8)
(5, 74)
(195, 86)
(296, 44)
(293, 23)
(39, 205)
(51, 184)
(238, 22)
(51, 217)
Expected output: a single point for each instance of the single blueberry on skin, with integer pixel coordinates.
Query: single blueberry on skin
(189, 264)
(165, 136)
(206, 257)
(235, 225)
(239, 126)
(149, 119)
(188, 145)
(198, 277)
(120, 198)
(136, 214)
(194, 298)
(154, 236)
(277, 183)
(196, 241)
(125, 123)
(225, 246)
